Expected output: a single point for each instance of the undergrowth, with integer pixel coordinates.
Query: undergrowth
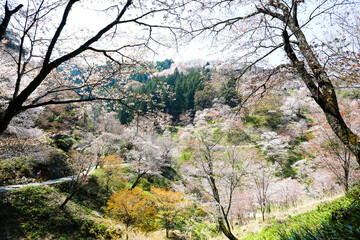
(339, 219)
(33, 213)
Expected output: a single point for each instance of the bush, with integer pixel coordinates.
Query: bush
(203, 98)
(14, 170)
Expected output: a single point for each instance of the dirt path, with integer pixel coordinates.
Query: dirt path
(48, 182)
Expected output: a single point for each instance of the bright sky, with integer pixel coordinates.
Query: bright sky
(87, 19)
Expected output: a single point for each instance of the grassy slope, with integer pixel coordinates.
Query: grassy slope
(335, 219)
(33, 213)
(338, 219)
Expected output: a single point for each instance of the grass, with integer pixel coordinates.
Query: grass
(318, 223)
(296, 220)
(33, 213)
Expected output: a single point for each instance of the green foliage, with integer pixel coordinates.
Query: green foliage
(217, 134)
(255, 121)
(200, 228)
(162, 65)
(231, 96)
(339, 219)
(155, 181)
(204, 98)
(33, 213)
(173, 94)
(22, 169)
(270, 120)
(64, 142)
(236, 135)
(56, 166)
(12, 169)
(351, 94)
(173, 130)
(93, 194)
(185, 155)
(142, 74)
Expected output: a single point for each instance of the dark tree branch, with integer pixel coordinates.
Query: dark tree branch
(58, 31)
(5, 22)
(90, 99)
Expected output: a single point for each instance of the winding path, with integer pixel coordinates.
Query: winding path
(48, 182)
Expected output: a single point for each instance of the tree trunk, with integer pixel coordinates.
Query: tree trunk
(67, 199)
(346, 177)
(11, 111)
(225, 230)
(5, 22)
(16, 104)
(221, 217)
(137, 181)
(321, 88)
(262, 209)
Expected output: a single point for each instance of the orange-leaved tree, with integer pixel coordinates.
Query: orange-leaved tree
(171, 207)
(133, 207)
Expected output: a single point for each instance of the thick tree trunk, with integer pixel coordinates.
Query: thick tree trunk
(12, 110)
(321, 88)
(16, 104)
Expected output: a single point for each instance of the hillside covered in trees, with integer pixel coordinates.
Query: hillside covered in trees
(273, 157)
(101, 140)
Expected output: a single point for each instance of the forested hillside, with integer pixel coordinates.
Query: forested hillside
(100, 138)
(273, 155)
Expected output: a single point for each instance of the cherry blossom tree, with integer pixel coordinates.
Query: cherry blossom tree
(323, 182)
(147, 158)
(262, 175)
(286, 192)
(50, 50)
(274, 147)
(253, 31)
(330, 152)
(223, 169)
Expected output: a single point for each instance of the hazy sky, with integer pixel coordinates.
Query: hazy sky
(84, 18)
